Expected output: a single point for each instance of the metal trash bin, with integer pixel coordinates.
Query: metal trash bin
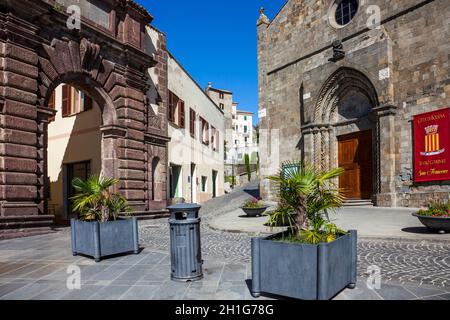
(185, 247)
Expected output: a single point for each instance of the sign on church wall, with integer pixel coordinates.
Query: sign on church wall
(432, 146)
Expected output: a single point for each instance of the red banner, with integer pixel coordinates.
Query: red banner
(432, 146)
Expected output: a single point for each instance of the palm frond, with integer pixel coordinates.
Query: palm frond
(94, 199)
(312, 194)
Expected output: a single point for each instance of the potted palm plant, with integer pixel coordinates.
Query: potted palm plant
(314, 259)
(99, 232)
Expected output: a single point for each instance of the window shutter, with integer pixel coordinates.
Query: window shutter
(192, 116)
(66, 100)
(171, 107)
(169, 113)
(181, 113)
(213, 138)
(203, 129)
(51, 104)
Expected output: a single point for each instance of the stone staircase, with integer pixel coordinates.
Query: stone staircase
(150, 215)
(23, 226)
(358, 203)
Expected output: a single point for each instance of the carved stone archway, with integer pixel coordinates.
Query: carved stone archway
(39, 52)
(78, 64)
(320, 136)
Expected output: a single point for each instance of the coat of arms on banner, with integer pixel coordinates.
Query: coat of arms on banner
(432, 141)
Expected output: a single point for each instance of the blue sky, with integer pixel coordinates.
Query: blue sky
(215, 40)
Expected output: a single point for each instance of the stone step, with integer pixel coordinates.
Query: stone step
(24, 222)
(150, 215)
(20, 233)
(358, 203)
(25, 226)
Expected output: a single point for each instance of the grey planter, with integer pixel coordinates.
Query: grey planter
(254, 212)
(307, 272)
(100, 240)
(435, 224)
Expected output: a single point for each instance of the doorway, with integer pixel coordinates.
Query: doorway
(356, 158)
(81, 170)
(193, 183)
(175, 182)
(214, 183)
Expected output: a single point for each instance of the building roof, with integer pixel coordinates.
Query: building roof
(219, 90)
(193, 80)
(139, 8)
(244, 112)
(279, 11)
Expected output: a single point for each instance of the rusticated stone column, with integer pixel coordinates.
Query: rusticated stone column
(111, 136)
(44, 114)
(21, 139)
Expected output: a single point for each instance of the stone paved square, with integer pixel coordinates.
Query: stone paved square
(36, 267)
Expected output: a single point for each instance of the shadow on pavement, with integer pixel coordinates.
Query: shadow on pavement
(417, 230)
(267, 295)
(253, 192)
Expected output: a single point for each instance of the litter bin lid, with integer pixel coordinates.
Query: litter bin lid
(185, 206)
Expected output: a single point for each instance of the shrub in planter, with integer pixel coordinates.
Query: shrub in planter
(281, 217)
(314, 259)
(254, 207)
(436, 217)
(98, 231)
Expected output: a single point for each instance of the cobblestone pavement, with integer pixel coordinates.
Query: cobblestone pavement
(36, 267)
(417, 262)
(229, 246)
(424, 263)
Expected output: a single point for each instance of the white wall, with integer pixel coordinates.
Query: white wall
(70, 140)
(238, 150)
(183, 149)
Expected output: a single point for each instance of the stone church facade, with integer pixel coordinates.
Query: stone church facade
(108, 58)
(330, 79)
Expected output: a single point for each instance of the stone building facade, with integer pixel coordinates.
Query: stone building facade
(330, 76)
(108, 59)
(243, 141)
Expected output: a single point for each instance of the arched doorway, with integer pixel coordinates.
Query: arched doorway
(74, 146)
(344, 132)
